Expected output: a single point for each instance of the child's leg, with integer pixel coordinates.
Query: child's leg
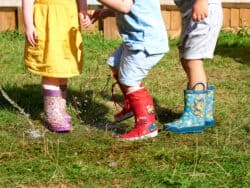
(198, 40)
(63, 87)
(50, 83)
(126, 111)
(123, 88)
(192, 119)
(114, 63)
(195, 73)
(195, 97)
(54, 119)
(133, 69)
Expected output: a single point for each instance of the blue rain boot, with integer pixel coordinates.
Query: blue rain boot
(193, 117)
(209, 109)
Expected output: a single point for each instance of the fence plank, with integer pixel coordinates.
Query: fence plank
(235, 18)
(8, 19)
(167, 18)
(110, 30)
(226, 17)
(20, 20)
(245, 17)
(175, 23)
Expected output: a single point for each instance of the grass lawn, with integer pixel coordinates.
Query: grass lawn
(91, 156)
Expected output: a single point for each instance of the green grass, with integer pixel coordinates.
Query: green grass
(91, 156)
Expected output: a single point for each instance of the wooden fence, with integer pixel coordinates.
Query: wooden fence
(236, 15)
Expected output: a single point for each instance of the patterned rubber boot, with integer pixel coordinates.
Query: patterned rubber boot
(209, 109)
(126, 111)
(193, 117)
(54, 119)
(63, 89)
(143, 107)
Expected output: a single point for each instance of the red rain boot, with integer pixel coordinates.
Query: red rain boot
(126, 111)
(143, 107)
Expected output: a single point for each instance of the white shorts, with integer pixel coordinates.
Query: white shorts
(198, 39)
(133, 65)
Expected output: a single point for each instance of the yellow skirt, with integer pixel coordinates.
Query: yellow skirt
(59, 50)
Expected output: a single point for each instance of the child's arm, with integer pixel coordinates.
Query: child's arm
(83, 13)
(101, 14)
(123, 6)
(200, 10)
(30, 30)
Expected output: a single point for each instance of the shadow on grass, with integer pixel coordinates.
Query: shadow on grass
(165, 115)
(28, 97)
(84, 104)
(92, 112)
(240, 54)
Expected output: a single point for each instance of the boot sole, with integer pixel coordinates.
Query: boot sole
(209, 123)
(58, 130)
(150, 135)
(186, 130)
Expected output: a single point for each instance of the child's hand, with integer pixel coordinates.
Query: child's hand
(200, 10)
(100, 14)
(84, 20)
(31, 35)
